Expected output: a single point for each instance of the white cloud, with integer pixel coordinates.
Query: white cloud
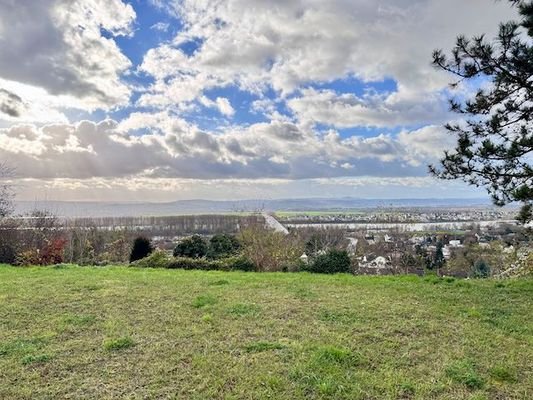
(427, 143)
(58, 46)
(371, 110)
(161, 26)
(224, 106)
(257, 45)
(178, 149)
(61, 56)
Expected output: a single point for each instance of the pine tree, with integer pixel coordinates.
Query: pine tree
(142, 247)
(495, 141)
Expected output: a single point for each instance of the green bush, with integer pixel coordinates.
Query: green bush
(222, 245)
(158, 259)
(332, 262)
(481, 269)
(193, 263)
(194, 247)
(224, 264)
(239, 263)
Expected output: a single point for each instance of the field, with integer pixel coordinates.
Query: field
(118, 332)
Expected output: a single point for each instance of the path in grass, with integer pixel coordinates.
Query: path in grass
(117, 332)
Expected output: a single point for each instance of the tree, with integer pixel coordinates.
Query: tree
(438, 260)
(9, 233)
(142, 247)
(222, 245)
(332, 262)
(193, 247)
(269, 250)
(317, 241)
(410, 261)
(6, 191)
(495, 140)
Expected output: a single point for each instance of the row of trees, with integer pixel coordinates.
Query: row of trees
(46, 240)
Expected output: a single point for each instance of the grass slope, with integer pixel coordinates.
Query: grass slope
(97, 333)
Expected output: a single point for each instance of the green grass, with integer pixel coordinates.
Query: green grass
(118, 343)
(117, 332)
(204, 301)
(263, 346)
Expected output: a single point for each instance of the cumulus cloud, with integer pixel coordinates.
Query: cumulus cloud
(257, 45)
(427, 143)
(224, 106)
(58, 45)
(301, 68)
(180, 150)
(371, 110)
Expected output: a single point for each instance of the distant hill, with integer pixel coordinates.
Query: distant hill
(103, 209)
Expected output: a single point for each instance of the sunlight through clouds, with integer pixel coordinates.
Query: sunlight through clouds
(249, 90)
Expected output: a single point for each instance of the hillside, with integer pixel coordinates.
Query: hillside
(120, 332)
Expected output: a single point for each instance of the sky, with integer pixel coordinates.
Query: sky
(160, 100)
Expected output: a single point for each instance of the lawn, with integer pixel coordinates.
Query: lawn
(118, 332)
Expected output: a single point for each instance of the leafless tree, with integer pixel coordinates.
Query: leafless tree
(6, 190)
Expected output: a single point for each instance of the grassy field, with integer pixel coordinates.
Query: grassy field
(117, 332)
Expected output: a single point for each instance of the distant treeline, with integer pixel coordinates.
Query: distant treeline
(155, 226)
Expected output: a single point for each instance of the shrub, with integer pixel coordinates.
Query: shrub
(193, 247)
(332, 262)
(8, 253)
(9, 241)
(158, 259)
(481, 269)
(269, 250)
(52, 252)
(193, 263)
(222, 245)
(28, 257)
(142, 247)
(240, 263)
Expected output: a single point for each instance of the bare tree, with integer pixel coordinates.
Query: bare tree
(8, 226)
(269, 250)
(6, 191)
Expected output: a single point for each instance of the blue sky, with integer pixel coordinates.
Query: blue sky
(167, 99)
